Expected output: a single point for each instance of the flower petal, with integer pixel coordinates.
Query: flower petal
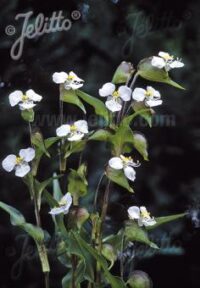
(116, 163)
(63, 130)
(148, 222)
(107, 89)
(57, 210)
(26, 105)
(9, 163)
(33, 96)
(75, 136)
(82, 126)
(113, 105)
(68, 199)
(158, 62)
(125, 93)
(176, 64)
(27, 154)
(22, 170)
(74, 86)
(139, 94)
(59, 77)
(163, 54)
(75, 77)
(153, 103)
(134, 212)
(130, 173)
(15, 97)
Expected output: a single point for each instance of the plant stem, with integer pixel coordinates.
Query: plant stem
(62, 160)
(97, 192)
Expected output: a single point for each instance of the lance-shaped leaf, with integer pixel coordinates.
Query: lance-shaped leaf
(135, 233)
(74, 147)
(144, 112)
(118, 177)
(98, 105)
(17, 219)
(166, 219)
(115, 282)
(123, 73)
(38, 141)
(70, 96)
(149, 72)
(101, 135)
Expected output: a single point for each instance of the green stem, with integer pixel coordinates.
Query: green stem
(97, 192)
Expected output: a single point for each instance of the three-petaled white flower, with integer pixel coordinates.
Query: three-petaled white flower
(19, 163)
(70, 81)
(115, 97)
(74, 132)
(125, 163)
(150, 96)
(25, 101)
(142, 216)
(166, 61)
(64, 205)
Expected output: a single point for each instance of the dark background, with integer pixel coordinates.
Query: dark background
(108, 33)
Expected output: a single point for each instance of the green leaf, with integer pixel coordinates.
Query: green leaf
(28, 115)
(135, 233)
(166, 219)
(144, 112)
(140, 144)
(74, 147)
(57, 192)
(101, 135)
(123, 73)
(149, 72)
(17, 219)
(98, 105)
(70, 96)
(115, 282)
(109, 253)
(77, 182)
(118, 177)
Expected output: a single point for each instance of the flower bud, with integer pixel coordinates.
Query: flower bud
(123, 73)
(78, 216)
(109, 253)
(139, 279)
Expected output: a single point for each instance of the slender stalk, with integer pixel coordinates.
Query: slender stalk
(97, 192)
(122, 260)
(41, 246)
(62, 160)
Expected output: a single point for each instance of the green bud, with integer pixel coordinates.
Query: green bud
(123, 73)
(139, 279)
(109, 253)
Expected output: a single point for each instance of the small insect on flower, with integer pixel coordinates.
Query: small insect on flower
(166, 61)
(142, 216)
(25, 101)
(125, 163)
(150, 96)
(115, 97)
(70, 81)
(64, 205)
(74, 132)
(19, 163)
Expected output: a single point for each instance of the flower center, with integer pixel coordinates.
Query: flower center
(149, 93)
(24, 98)
(145, 214)
(115, 94)
(73, 128)
(62, 202)
(19, 160)
(126, 159)
(70, 77)
(168, 57)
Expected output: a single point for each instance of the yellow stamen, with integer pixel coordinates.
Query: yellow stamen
(73, 128)
(167, 57)
(149, 93)
(145, 214)
(126, 159)
(70, 77)
(18, 160)
(62, 202)
(115, 94)
(24, 98)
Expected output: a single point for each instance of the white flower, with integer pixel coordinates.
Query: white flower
(19, 163)
(74, 132)
(70, 81)
(64, 205)
(125, 163)
(115, 97)
(25, 101)
(166, 61)
(150, 96)
(141, 215)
